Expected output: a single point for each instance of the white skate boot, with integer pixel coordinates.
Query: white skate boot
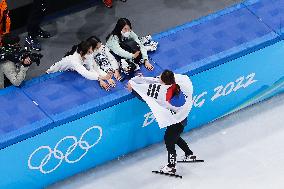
(169, 170)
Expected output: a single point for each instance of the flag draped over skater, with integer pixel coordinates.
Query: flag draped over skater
(154, 93)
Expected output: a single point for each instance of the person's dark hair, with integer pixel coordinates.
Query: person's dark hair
(168, 77)
(118, 27)
(10, 39)
(94, 40)
(82, 48)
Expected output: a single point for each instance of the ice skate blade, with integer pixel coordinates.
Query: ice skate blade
(168, 174)
(192, 161)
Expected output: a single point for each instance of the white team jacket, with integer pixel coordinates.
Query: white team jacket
(75, 63)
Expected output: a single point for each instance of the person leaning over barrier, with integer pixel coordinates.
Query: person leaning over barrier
(117, 38)
(13, 66)
(74, 60)
(103, 60)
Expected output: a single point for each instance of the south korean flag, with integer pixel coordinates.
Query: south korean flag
(154, 93)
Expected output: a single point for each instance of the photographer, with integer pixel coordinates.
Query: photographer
(14, 61)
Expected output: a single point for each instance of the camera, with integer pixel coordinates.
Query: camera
(35, 57)
(12, 51)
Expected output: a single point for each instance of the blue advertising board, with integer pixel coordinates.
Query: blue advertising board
(237, 84)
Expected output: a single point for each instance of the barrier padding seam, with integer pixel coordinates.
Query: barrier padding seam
(260, 19)
(37, 105)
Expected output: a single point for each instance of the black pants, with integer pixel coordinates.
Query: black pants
(118, 58)
(38, 11)
(172, 137)
(131, 65)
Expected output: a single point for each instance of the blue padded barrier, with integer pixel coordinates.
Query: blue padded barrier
(58, 98)
(211, 41)
(270, 12)
(68, 96)
(19, 117)
(198, 21)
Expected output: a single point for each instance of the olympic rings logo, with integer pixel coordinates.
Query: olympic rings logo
(59, 155)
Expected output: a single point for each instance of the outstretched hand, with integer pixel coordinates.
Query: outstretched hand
(129, 87)
(148, 65)
(104, 85)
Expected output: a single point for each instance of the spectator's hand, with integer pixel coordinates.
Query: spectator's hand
(104, 85)
(27, 61)
(129, 87)
(111, 82)
(135, 55)
(117, 75)
(148, 65)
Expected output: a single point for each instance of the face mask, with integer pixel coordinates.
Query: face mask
(88, 56)
(126, 34)
(96, 51)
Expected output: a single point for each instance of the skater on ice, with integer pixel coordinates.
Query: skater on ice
(169, 96)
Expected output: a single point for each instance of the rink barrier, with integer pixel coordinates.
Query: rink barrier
(59, 125)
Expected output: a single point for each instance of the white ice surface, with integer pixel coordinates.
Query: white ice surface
(242, 151)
